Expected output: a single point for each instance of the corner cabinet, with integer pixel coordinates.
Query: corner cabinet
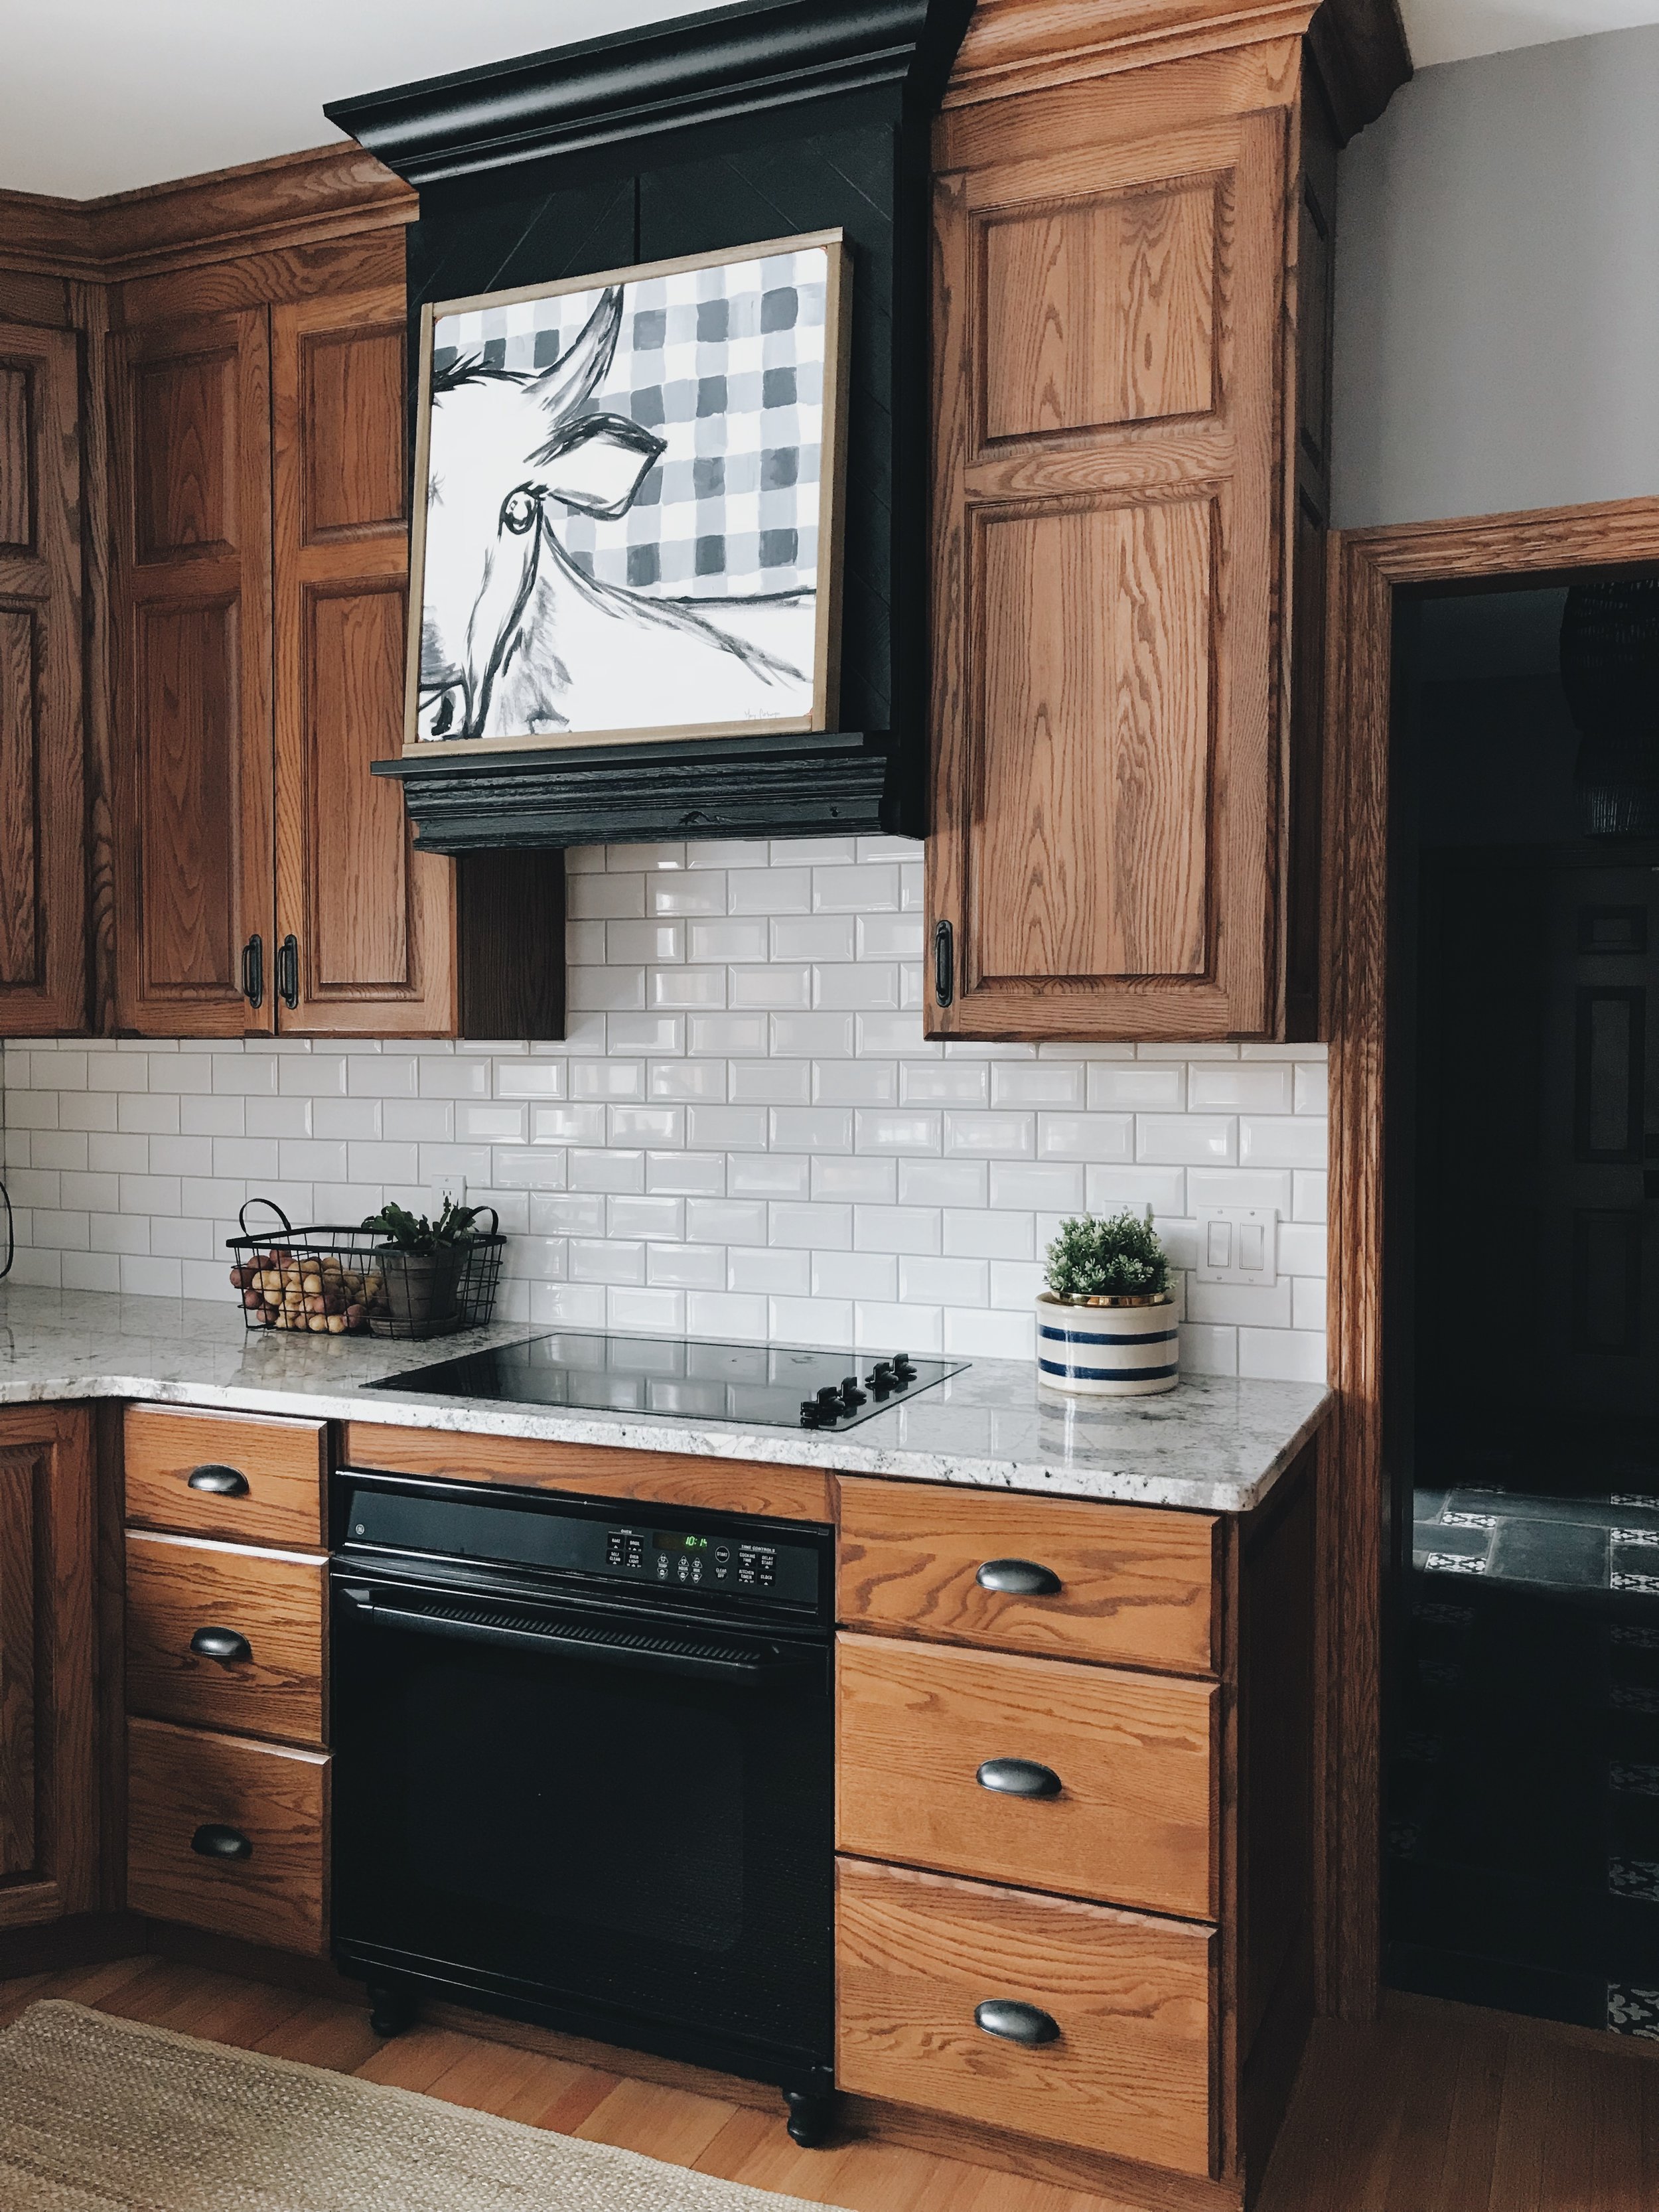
(1130, 379)
(266, 882)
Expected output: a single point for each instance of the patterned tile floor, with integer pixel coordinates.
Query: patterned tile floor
(1560, 1543)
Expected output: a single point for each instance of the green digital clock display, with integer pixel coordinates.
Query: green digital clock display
(671, 1540)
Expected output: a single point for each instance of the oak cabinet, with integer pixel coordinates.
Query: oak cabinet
(49, 1798)
(267, 882)
(43, 894)
(1131, 401)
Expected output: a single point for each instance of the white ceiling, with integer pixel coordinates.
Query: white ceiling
(102, 95)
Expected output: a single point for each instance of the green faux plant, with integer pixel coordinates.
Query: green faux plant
(1118, 1257)
(414, 1232)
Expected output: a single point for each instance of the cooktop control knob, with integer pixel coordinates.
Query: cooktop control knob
(881, 1378)
(903, 1372)
(851, 1396)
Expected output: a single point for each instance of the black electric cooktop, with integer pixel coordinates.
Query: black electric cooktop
(773, 1386)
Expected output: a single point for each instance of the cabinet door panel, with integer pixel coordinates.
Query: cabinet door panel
(193, 467)
(17, 1666)
(1109, 723)
(43, 888)
(374, 920)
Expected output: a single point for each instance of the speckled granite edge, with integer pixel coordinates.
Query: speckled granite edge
(1214, 1445)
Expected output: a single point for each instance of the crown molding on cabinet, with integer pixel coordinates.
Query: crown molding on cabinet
(298, 199)
(1359, 46)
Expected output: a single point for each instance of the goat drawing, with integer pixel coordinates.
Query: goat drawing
(515, 638)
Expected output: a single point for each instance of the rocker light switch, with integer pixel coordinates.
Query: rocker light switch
(1238, 1244)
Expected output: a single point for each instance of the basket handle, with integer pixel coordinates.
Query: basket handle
(288, 1226)
(494, 1228)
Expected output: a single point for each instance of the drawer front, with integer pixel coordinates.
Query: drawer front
(277, 1602)
(1127, 2073)
(1132, 1583)
(183, 1781)
(257, 1481)
(1135, 1758)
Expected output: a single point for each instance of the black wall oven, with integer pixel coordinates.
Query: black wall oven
(583, 1770)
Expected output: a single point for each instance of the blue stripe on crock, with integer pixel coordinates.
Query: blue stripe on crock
(1107, 1374)
(1086, 1336)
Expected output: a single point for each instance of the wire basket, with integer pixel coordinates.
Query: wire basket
(331, 1281)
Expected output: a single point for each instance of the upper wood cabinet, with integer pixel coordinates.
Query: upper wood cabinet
(1123, 376)
(374, 920)
(43, 899)
(192, 438)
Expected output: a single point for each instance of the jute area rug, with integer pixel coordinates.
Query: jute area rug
(102, 2115)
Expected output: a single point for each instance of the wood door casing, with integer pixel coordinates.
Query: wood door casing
(49, 1785)
(1106, 708)
(43, 882)
(193, 467)
(375, 921)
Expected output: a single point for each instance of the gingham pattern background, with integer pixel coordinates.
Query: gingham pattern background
(727, 365)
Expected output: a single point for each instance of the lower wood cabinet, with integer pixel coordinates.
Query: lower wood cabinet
(222, 1637)
(239, 1476)
(1086, 1780)
(228, 1835)
(1123, 2006)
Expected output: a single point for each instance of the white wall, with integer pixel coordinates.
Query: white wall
(744, 1134)
(1497, 287)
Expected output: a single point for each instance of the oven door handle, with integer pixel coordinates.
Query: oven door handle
(628, 1648)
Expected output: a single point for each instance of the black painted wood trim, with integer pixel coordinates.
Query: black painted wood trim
(758, 57)
(814, 785)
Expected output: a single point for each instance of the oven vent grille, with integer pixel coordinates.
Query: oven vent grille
(568, 1630)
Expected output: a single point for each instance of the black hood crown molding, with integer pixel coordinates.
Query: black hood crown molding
(760, 56)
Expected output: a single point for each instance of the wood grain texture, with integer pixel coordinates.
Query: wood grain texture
(17, 1689)
(47, 1531)
(1021, 46)
(1108, 706)
(193, 222)
(1138, 1586)
(278, 1602)
(43, 884)
(285, 1464)
(375, 921)
(182, 1779)
(192, 652)
(1137, 1755)
(88, 305)
(1129, 2074)
(723, 1486)
(1366, 567)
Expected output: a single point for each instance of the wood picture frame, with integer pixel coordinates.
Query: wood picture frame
(608, 451)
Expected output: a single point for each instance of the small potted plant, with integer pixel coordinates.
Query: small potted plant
(420, 1266)
(1106, 1324)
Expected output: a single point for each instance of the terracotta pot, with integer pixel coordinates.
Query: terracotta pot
(1108, 1347)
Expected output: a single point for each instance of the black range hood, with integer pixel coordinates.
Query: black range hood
(768, 119)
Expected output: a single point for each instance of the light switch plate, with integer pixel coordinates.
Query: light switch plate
(1238, 1244)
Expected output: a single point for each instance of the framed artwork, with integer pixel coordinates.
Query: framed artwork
(628, 510)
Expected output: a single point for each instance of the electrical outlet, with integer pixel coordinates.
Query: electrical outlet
(1238, 1244)
(446, 1187)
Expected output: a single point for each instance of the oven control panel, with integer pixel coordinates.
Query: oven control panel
(712, 1555)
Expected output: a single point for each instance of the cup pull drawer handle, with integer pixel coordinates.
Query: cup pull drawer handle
(1018, 1578)
(1015, 2022)
(1018, 1777)
(223, 1481)
(220, 1644)
(213, 1841)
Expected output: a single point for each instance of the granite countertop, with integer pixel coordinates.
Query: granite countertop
(1212, 1445)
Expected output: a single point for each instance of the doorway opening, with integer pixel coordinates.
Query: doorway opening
(1520, 1299)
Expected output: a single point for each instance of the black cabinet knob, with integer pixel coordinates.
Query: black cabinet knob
(1018, 1578)
(221, 1481)
(1015, 2022)
(1018, 1777)
(213, 1841)
(220, 1644)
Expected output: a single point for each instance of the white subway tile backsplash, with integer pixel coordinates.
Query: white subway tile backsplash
(746, 1132)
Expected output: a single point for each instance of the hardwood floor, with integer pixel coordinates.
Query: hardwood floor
(1437, 2108)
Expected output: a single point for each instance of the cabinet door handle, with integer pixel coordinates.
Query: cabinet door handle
(213, 1841)
(945, 962)
(253, 971)
(1018, 1777)
(220, 1481)
(287, 971)
(1018, 1578)
(220, 1644)
(1015, 2022)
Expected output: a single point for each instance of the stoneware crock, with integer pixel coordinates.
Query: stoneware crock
(1108, 1347)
